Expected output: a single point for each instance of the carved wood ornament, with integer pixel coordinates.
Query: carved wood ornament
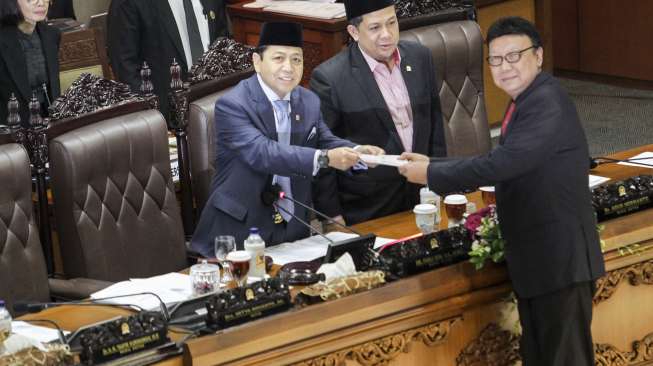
(606, 354)
(493, 347)
(637, 274)
(224, 57)
(381, 351)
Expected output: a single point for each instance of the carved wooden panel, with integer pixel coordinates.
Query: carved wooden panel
(493, 347)
(82, 48)
(381, 351)
(312, 58)
(637, 274)
(642, 350)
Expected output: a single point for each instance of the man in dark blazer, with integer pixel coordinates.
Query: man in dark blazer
(394, 105)
(147, 30)
(540, 170)
(259, 142)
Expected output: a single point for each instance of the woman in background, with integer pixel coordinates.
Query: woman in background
(29, 63)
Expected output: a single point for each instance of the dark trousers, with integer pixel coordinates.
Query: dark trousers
(556, 327)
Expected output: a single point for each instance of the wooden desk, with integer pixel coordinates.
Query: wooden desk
(442, 317)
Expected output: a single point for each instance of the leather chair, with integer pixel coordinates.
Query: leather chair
(115, 206)
(457, 49)
(22, 265)
(201, 145)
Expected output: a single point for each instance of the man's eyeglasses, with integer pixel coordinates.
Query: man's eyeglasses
(33, 2)
(512, 57)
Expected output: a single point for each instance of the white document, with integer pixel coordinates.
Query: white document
(36, 332)
(171, 288)
(596, 180)
(391, 160)
(322, 10)
(646, 158)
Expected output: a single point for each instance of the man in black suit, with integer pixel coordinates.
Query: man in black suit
(379, 91)
(158, 31)
(540, 171)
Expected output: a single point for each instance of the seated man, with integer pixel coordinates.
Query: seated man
(269, 130)
(540, 171)
(383, 92)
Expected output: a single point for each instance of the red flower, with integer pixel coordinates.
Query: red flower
(473, 221)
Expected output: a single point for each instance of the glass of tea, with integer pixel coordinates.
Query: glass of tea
(239, 264)
(455, 206)
(487, 194)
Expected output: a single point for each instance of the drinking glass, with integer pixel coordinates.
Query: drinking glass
(223, 245)
(239, 263)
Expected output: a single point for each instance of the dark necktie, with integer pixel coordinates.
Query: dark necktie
(507, 118)
(196, 47)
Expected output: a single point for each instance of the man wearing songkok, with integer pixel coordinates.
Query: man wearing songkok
(539, 170)
(269, 131)
(378, 91)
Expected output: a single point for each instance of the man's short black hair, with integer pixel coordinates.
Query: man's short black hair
(356, 21)
(260, 50)
(514, 26)
(10, 13)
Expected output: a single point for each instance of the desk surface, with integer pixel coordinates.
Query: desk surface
(293, 333)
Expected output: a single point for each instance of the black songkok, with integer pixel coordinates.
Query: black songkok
(281, 34)
(356, 8)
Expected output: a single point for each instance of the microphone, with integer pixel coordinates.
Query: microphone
(600, 160)
(275, 193)
(24, 307)
(306, 224)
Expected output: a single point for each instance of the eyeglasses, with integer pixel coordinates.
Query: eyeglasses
(32, 2)
(512, 57)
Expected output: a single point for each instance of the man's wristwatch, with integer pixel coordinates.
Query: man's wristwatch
(323, 159)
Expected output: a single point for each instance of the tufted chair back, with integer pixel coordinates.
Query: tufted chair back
(23, 275)
(457, 49)
(115, 206)
(201, 146)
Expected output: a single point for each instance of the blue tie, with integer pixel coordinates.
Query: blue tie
(282, 112)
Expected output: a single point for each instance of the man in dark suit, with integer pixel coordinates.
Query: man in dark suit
(158, 32)
(540, 171)
(269, 130)
(378, 91)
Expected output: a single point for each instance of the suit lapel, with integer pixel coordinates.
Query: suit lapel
(50, 48)
(169, 25)
(14, 58)
(263, 108)
(363, 75)
(412, 79)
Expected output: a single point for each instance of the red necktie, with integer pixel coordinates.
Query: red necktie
(507, 118)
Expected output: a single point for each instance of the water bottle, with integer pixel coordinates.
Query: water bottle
(255, 245)
(5, 323)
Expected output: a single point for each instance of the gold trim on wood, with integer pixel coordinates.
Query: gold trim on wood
(493, 347)
(381, 351)
(607, 354)
(637, 274)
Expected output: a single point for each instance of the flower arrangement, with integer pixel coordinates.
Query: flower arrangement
(488, 243)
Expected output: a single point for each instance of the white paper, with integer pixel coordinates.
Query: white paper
(35, 332)
(171, 288)
(318, 9)
(596, 180)
(647, 158)
(344, 266)
(391, 160)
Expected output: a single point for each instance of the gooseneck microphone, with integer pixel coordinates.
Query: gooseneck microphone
(269, 197)
(600, 160)
(306, 224)
(34, 307)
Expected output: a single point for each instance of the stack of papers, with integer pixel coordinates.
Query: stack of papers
(313, 9)
(310, 248)
(171, 288)
(645, 158)
(596, 180)
(35, 332)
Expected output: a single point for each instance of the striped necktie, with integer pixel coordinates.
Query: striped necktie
(282, 112)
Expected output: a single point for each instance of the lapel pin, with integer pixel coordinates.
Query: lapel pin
(408, 68)
(297, 117)
(212, 15)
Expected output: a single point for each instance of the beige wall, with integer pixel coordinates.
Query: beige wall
(85, 8)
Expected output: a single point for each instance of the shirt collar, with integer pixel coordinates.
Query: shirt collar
(372, 63)
(269, 93)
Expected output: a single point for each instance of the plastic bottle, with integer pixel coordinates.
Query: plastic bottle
(5, 323)
(255, 245)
